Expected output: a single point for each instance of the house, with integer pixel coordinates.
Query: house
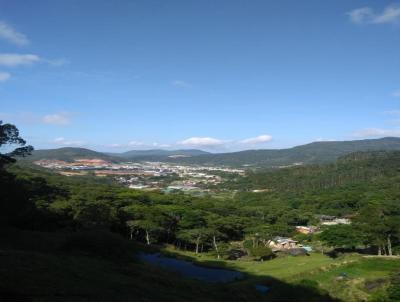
(332, 220)
(337, 221)
(282, 243)
(305, 229)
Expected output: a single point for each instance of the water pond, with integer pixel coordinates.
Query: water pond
(190, 270)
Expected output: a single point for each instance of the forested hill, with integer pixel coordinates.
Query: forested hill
(313, 153)
(355, 168)
(69, 154)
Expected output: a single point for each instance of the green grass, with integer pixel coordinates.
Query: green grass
(317, 268)
(280, 268)
(353, 287)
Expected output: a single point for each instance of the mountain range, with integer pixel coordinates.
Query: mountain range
(312, 153)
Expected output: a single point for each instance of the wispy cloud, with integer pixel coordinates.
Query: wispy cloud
(139, 145)
(56, 62)
(8, 33)
(210, 142)
(4, 76)
(62, 118)
(394, 115)
(180, 83)
(12, 60)
(392, 112)
(360, 15)
(257, 140)
(376, 132)
(366, 15)
(322, 139)
(396, 94)
(64, 142)
(135, 143)
(201, 142)
(160, 145)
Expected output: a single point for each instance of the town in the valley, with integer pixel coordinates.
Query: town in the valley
(146, 175)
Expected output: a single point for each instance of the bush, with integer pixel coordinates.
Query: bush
(248, 244)
(261, 252)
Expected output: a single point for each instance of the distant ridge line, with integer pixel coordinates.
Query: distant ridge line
(311, 153)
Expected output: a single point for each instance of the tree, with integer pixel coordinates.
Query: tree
(146, 220)
(9, 137)
(95, 214)
(194, 236)
(342, 235)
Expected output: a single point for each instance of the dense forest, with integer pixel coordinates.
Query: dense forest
(364, 186)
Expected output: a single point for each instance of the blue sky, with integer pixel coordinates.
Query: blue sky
(215, 75)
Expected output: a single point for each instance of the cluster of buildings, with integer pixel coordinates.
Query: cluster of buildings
(145, 175)
(324, 220)
(285, 243)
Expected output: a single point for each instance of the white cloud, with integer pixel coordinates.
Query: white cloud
(201, 142)
(376, 132)
(392, 112)
(396, 94)
(321, 139)
(126, 145)
(139, 145)
(395, 115)
(366, 15)
(12, 60)
(9, 34)
(257, 140)
(159, 145)
(391, 14)
(180, 83)
(360, 15)
(62, 118)
(135, 143)
(4, 76)
(64, 142)
(56, 62)
(115, 145)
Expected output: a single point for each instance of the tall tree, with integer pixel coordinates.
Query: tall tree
(10, 140)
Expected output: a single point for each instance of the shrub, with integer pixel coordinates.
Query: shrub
(261, 252)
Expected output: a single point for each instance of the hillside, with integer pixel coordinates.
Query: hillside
(355, 168)
(69, 154)
(313, 153)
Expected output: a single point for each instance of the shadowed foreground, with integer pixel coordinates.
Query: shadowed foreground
(37, 266)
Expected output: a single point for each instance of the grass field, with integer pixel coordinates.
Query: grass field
(362, 276)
